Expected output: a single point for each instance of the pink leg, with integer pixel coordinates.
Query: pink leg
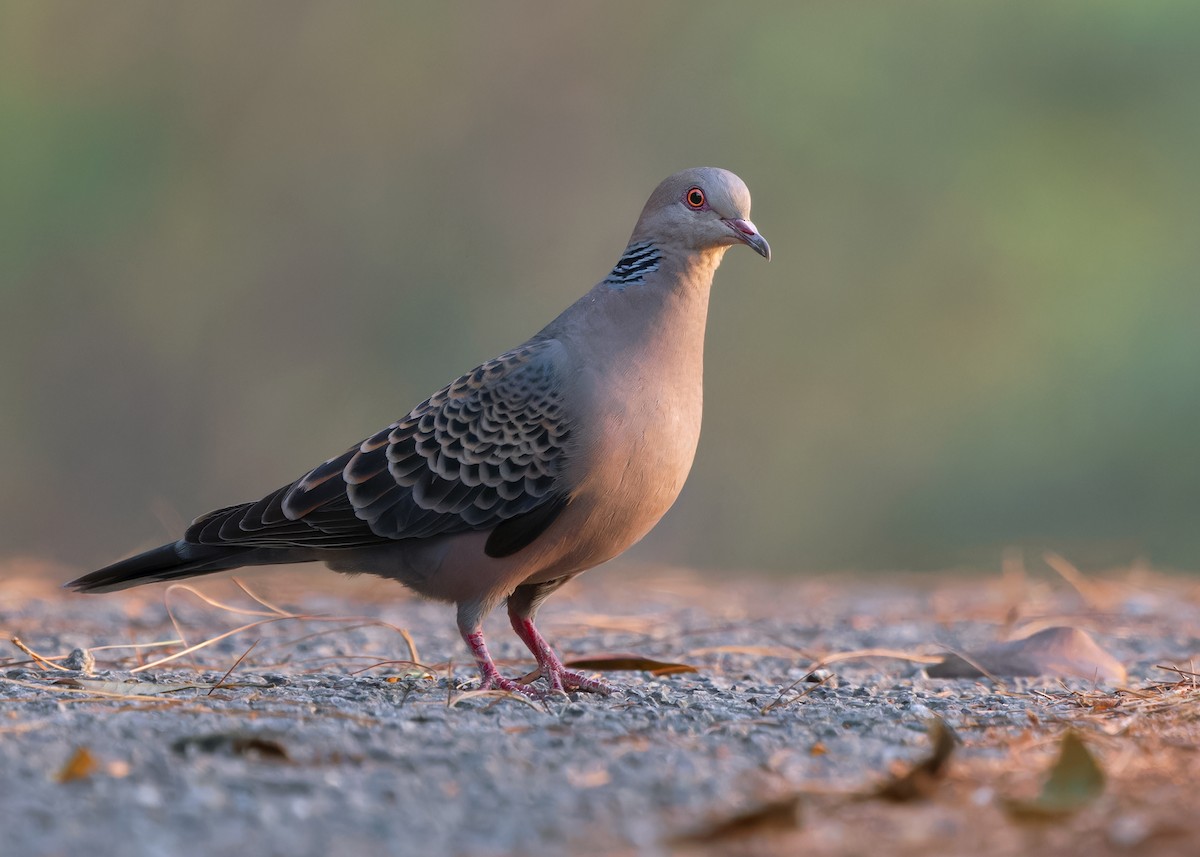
(560, 678)
(491, 678)
(523, 603)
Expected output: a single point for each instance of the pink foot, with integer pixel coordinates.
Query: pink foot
(495, 681)
(489, 675)
(561, 679)
(567, 680)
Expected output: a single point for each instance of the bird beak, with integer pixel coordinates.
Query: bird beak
(748, 234)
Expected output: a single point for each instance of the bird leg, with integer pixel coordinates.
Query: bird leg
(491, 678)
(522, 607)
(560, 678)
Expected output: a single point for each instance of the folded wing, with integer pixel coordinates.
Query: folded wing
(487, 452)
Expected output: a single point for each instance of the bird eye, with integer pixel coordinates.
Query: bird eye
(695, 198)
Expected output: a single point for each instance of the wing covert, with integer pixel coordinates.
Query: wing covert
(489, 448)
(486, 448)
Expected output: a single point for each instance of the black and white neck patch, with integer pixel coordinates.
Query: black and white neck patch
(639, 259)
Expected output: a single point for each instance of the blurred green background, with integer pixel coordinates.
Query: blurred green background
(237, 237)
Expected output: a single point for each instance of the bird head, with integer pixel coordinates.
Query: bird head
(701, 209)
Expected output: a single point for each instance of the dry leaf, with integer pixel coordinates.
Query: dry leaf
(496, 695)
(1075, 781)
(618, 662)
(81, 765)
(922, 779)
(235, 744)
(1053, 652)
(775, 816)
(132, 687)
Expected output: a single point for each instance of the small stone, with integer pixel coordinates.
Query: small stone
(1129, 831)
(81, 660)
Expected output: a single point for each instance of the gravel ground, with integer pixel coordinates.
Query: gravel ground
(310, 746)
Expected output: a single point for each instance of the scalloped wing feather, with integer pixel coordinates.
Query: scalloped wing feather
(487, 449)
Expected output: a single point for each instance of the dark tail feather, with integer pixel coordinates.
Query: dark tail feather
(173, 561)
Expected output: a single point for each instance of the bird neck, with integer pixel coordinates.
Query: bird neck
(639, 259)
(656, 297)
(647, 262)
(678, 267)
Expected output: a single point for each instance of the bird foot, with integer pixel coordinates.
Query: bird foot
(569, 680)
(560, 681)
(499, 682)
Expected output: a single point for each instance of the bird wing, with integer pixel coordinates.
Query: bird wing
(486, 452)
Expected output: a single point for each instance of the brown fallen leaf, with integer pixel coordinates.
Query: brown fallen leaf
(1056, 651)
(922, 779)
(235, 744)
(1075, 780)
(773, 817)
(623, 662)
(81, 765)
(498, 695)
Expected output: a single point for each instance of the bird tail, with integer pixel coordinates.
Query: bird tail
(173, 561)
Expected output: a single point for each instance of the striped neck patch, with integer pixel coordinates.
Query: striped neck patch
(638, 260)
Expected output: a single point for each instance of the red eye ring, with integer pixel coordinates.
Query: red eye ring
(695, 198)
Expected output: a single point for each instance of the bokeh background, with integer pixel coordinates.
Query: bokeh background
(237, 237)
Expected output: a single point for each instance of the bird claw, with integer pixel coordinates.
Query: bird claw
(561, 681)
(569, 680)
(499, 682)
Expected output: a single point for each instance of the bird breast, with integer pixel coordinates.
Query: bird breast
(635, 455)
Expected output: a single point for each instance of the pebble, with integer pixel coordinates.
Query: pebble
(392, 765)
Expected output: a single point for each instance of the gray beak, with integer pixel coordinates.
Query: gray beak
(749, 235)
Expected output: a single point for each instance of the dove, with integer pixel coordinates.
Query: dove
(532, 468)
